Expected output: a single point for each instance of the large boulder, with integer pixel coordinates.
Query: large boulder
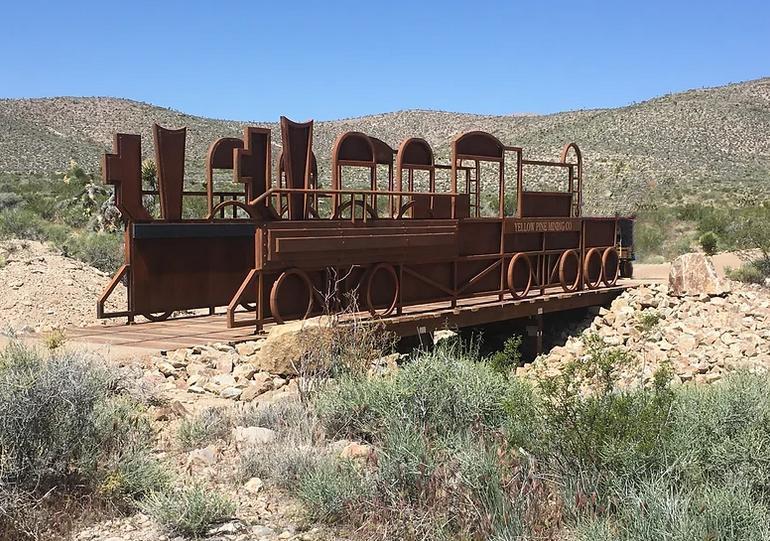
(694, 274)
(290, 345)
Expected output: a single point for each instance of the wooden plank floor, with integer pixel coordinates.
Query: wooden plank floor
(204, 329)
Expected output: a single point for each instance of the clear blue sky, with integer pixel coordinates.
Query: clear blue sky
(253, 60)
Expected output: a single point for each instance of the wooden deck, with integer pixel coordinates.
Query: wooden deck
(204, 329)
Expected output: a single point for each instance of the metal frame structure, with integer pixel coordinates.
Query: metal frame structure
(297, 249)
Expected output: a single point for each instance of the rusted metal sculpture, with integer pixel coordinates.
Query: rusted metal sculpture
(400, 250)
(169, 159)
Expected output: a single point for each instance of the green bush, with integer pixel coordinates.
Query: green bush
(509, 358)
(285, 461)
(332, 489)
(753, 272)
(64, 428)
(135, 475)
(103, 251)
(586, 428)
(708, 241)
(19, 223)
(443, 391)
(10, 201)
(429, 422)
(461, 451)
(190, 510)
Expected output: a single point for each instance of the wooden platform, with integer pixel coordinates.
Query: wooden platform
(204, 329)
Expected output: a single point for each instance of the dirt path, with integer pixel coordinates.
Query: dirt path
(651, 271)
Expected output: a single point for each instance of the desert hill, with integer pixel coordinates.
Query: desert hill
(700, 144)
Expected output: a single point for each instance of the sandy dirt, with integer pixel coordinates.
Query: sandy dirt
(649, 271)
(41, 290)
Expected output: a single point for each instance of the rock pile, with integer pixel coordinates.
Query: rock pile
(701, 336)
(234, 372)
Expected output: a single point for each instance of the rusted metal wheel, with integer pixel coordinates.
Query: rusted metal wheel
(610, 266)
(374, 291)
(519, 264)
(158, 316)
(282, 293)
(346, 205)
(592, 268)
(569, 270)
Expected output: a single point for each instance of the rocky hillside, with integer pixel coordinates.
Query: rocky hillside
(700, 144)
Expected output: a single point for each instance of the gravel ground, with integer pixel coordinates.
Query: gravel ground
(41, 290)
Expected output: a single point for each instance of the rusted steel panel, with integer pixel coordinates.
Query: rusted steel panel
(351, 244)
(539, 204)
(169, 158)
(480, 144)
(516, 225)
(600, 232)
(123, 169)
(173, 271)
(297, 158)
(252, 163)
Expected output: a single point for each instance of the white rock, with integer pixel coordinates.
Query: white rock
(253, 485)
(230, 392)
(253, 435)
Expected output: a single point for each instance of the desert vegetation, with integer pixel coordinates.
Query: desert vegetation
(441, 443)
(448, 447)
(75, 442)
(663, 232)
(70, 210)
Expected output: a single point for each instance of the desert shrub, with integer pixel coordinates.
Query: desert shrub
(430, 422)
(407, 462)
(101, 250)
(332, 489)
(65, 429)
(294, 452)
(721, 432)
(209, 425)
(653, 463)
(10, 200)
(55, 339)
(751, 272)
(189, 510)
(585, 426)
(461, 451)
(444, 391)
(647, 320)
(708, 242)
(340, 345)
(20, 223)
(135, 475)
(752, 232)
(280, 463)
(657, 510)
(506, 360)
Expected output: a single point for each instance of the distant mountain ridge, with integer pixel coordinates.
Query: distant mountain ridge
(711, 143)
